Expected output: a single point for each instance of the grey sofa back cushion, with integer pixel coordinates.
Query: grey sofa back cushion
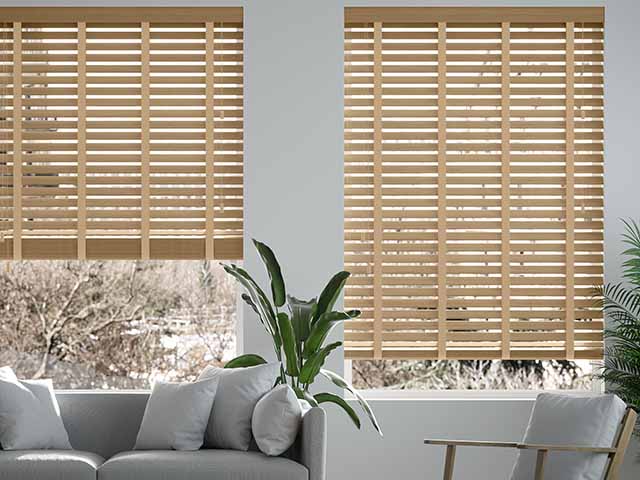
(102, 422)
(238, 392)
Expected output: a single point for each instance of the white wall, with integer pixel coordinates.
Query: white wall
(293, 182)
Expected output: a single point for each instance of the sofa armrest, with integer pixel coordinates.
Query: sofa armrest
(313, 443)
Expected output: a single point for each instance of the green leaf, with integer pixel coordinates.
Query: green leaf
(289, 344)
(301, 314)
(247, 360)
(341, 402)
(631, 266)
(342, 383)
(330, 294)
(312, 366)
(321, 329)
(621, 304)
(249, 302)
(304, 395)
(275, 273)
(258, 300)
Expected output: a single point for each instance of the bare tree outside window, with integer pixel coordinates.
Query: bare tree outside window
(472, 375)
(115, 324)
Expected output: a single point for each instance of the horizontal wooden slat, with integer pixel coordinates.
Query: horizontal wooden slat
(421, 353)
(116, 15)
(125, 249)
(474, 15)
(142, 129)
(535, 111)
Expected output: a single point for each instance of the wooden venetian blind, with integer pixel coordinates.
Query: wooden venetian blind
(121, 133)
(474, 182)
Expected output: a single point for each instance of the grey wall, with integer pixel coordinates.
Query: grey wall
(311, 248)
(622, 104)
(293, 160)
(293, 181)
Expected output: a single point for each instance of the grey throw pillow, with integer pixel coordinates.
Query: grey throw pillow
(239, 390)
(29, 415)
(176, 416)
(276, 420)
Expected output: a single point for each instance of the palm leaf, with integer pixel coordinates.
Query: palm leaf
(301, 314)
(288, 344)
(275, 273)
(321, 329)
(259, 300)
(246, 360)
(621, 305)
(341, 402)
(330, 294)
(631, 266)
(342, 383)
(312, 366)
(304, 395)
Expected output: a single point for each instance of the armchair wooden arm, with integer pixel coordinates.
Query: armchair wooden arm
(521, 446)
(615, 453)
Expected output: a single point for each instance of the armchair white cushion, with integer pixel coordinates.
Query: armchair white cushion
(570, 420)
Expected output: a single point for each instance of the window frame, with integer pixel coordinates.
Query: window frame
(583, 344)
(597, 387)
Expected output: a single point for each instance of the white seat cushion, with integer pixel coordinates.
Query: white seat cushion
(570, 420)
(49, 465)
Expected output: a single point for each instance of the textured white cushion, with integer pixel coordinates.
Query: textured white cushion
(239, 391)
(276, 420)
(570, 420)
(176, 415)
(29, 415)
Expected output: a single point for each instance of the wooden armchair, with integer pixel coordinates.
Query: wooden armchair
(607, 469)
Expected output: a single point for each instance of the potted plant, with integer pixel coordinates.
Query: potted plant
(299, 330)
(621, 304)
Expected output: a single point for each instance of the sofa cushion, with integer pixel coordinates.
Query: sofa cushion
(29, 414)
(48, 465)
(200, 465)
(239, 390)
(276, 420)
(176, 415)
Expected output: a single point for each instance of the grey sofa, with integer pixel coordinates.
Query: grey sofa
(103, 428)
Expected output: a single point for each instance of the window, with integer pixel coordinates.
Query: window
(96, 324)
(473, 184)
(121, 145)
(122, 133)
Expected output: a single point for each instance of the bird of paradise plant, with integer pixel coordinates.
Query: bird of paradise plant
(299, 333)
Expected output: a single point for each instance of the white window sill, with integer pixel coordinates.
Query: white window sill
(448, 395)
(103, 392)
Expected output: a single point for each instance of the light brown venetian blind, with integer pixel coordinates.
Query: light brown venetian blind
(121, 133)
(474, 182)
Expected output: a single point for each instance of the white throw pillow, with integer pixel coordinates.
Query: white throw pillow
(276, 420)
(240, 389)
(570, 420)
(29, 415)
(176, 416)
